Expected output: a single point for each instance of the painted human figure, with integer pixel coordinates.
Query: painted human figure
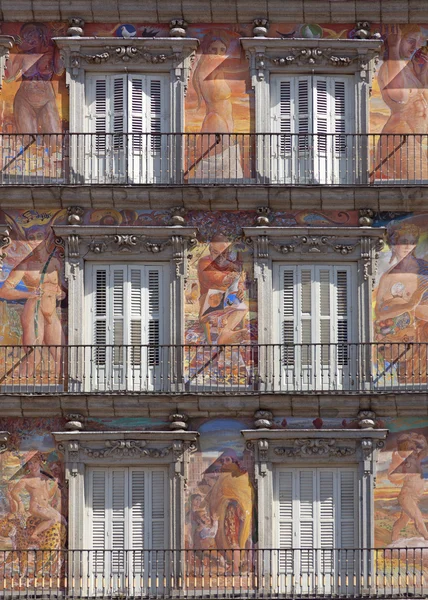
(402, 305)
(34, 106)
(40, 272)
(402, 81)
(217, 272)
(44, 496)
(214, 66)
(406, 467)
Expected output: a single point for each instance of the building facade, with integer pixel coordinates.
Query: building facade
(214, 299)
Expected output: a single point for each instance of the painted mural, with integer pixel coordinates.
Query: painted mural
(219, 101)
(400, 301)
(401, 499)
(221, 294)
(33, 499)
(220, 507)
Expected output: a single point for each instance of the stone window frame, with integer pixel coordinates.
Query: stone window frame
(85, 449)
(167, 244)
(296, 56)
(315, 448)
(306, 245)
(160, 55)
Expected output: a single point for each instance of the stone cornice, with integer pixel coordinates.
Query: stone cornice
(338, 232)
(334, 56)
(155, 54)
(281, 435)
(148, 436)
(155, 231)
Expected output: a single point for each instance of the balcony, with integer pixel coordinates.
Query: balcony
(215, 370)
(240, 574)
(213, 159)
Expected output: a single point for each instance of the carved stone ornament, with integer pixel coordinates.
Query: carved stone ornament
(126, 449)
(279, 54)
(260, 27)
(366, 419)
(365, 217)
(6, 44)
(177, 28)
(74, 215)
(74, 422)
(307, 448)
(262, 220)
(82, 241)
(163, 53)
(4, 437)
(5, 241)
(314, 244)
(263, 419)
(75, 27)
(178, 216)
(178, 421)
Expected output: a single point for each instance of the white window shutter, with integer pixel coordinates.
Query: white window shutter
(347, 509)
(137, 110)
(158, 516)
(118, 103)
(135, 277)
(343, 310)
(288, 313)
(286, 530)
(97, 111)
(326, 494)
(154, 310)
(137, 512)
(118, 517)
(285, 115)
(98, 503)
(156, 105)
(340, 113)
(321, 111)
(325, 315)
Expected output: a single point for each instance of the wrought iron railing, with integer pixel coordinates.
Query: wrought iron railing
(206, 573)
(213, 159)
(215, 369)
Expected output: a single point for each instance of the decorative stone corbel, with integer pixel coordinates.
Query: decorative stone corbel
(177, 28)
(178, 422)
(262, 220)
(365, 217)
(74, 215)
(75, 27)
(6, 44)
(5, 241)
(4, 438)
(263, 419)
(260, 27)
(366, 419)
(74, 422)
(177, 216)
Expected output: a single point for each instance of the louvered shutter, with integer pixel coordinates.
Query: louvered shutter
(98, 516)
(158, 497)
(303, 116)
(305, 313)
(286, 525)
(343, 310)
(153, 307)
(136, 125)
(99, 315)
(135, 274)
(137, 512)
(321, 116)
(340, 114)
(288, 314)
(118, 108)
(285, 115)
(99, 116)
(155, 105)
(324, 302)
(348, 509)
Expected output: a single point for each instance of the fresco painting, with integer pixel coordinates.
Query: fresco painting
(220, 507)
(33, 498)
(400, 301)
(219, 100)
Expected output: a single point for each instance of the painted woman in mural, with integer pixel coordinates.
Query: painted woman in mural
(40, 272)
(403, 83)
(34, 106)
(222, 290)
(406, 468)
(402, 306)
(210, 83)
